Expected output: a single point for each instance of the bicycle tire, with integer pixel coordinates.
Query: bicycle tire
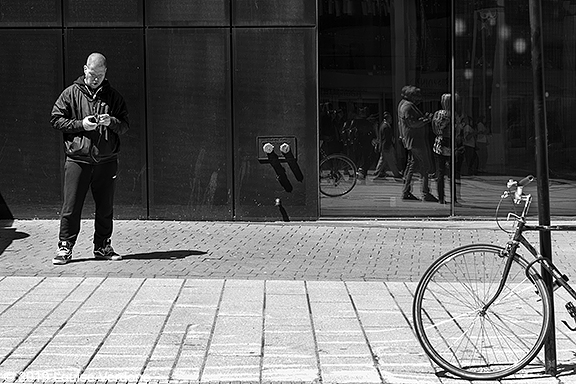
(454, 332)
(338, 175)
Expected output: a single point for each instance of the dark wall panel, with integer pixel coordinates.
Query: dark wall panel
(269, 12)
(275, 94)
(124, 49)
(189, 123)
(179, 13)
(30, 13)
(184, 157)
(30, 80)
(103, 13)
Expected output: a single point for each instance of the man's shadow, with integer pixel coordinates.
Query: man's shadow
(163, 255)
(155, 255)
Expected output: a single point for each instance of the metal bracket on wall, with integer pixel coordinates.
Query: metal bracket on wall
(283, 146)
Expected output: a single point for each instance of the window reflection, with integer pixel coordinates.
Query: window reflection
(369, 50)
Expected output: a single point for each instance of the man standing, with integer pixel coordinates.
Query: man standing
(91, 115)
(413, 125)
(385, 146)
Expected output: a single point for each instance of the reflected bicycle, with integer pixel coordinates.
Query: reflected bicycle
(338, 174)
(482, 311)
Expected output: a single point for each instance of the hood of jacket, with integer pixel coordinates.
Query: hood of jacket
(91, 94)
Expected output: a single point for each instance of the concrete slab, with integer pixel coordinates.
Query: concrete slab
(215, 305)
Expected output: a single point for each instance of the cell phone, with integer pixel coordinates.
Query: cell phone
(93, 119)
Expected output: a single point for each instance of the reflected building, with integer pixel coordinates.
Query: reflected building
(369, 50)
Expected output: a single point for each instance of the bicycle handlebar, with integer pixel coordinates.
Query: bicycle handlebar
(521, 184)
(519, 187)
(515, 189)
(525, 181)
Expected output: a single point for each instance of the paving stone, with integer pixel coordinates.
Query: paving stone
(220, 302)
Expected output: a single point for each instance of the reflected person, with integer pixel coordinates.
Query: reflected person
(386, 149)
(414, 126)
(442, 127)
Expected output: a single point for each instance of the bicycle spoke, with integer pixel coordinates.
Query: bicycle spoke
(449, 295)
(465, 337)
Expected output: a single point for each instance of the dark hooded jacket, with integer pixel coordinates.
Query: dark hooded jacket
(73, 105)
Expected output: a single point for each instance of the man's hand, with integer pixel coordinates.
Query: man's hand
(104, 119)
(90, 123)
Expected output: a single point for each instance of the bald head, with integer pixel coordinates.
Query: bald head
(96, 60)
(95, 70)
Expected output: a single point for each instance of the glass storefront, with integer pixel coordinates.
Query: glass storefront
(477, 51)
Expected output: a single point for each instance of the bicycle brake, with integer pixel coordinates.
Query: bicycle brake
(572, 311)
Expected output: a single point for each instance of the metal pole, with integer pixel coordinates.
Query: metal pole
(453, 107)
(542, 167)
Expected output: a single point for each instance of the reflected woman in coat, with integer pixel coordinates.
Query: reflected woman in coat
(442, 128)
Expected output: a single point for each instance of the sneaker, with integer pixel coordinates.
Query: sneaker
(429, 197)
(410, 196)
(106, 252)
(64, 254)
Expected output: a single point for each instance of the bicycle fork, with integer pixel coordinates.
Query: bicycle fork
(509, 251)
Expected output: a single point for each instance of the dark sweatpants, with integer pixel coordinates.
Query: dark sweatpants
(78, 178)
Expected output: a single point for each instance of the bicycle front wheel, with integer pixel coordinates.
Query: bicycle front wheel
(467, 339)
(337, 175)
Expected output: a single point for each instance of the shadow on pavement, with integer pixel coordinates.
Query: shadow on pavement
(156, 255)
(160, 255)
(565, 370)
(8, 234)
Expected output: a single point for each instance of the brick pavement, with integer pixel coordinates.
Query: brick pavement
(324, 250)
(221, 302)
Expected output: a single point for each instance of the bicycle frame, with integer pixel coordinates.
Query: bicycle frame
(558, 278)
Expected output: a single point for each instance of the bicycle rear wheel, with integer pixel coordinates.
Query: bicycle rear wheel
(463, 338)
(337, 175)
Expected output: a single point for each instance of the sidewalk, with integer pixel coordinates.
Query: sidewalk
(222, 302)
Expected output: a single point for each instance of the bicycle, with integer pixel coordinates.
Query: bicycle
(482, 311)
(338, 174)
